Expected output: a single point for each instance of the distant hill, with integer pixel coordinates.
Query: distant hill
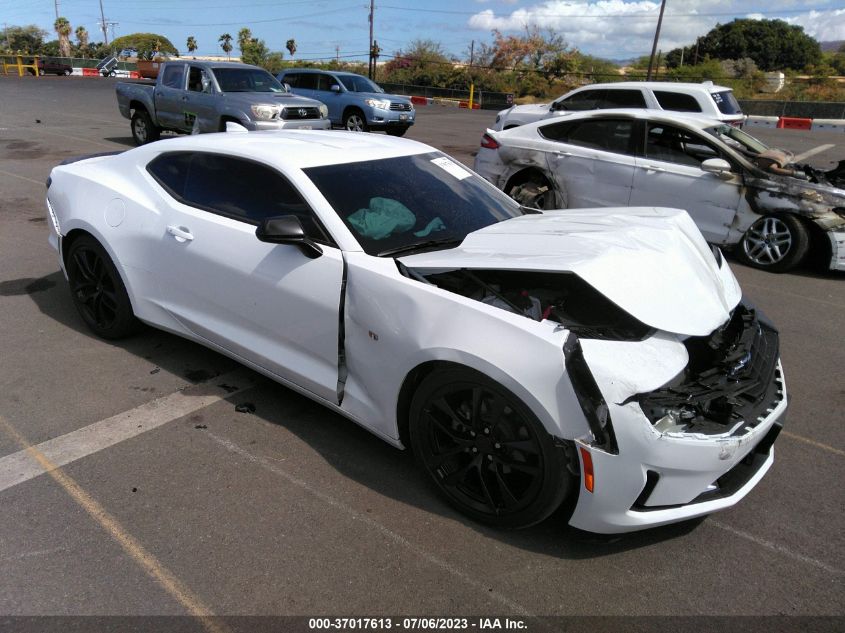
(832, 46)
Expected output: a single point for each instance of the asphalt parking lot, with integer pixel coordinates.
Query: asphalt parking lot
(189, 507)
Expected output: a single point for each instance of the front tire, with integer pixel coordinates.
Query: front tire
(485, 451)
(777, 243)
(98, 291)
(143, 129)
(67, 73)
(355, 121)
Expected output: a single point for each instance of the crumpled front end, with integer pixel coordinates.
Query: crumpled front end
(692, 435)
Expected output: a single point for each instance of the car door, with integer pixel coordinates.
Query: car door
(591, 160)
(169, 93)
(332, 98)
(200, 101)
(669, 174)
(267, 303)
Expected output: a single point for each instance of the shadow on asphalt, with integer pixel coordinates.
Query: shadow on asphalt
(352, 451)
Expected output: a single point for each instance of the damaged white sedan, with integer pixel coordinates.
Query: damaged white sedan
(602, 355)
(741, 194)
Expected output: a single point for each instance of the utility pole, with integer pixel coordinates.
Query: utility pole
(656, 37)
(56, 3)
(471, 53)
(337, 53)
(103, 24)
(372, 64)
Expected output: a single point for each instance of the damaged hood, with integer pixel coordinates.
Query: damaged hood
(651, 262)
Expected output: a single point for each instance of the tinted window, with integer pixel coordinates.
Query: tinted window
(173, 76)
(623, 99)
(676, 101)
(325, 82)
(357, 83)
(586, 100)
(726, 102)
(289, 79)
(247, 80)
(396, 202)
(233, 187)
(198, 80)
(673, 145)
(307, 81)
(609, 135)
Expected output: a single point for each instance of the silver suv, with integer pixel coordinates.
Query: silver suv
(707, 99)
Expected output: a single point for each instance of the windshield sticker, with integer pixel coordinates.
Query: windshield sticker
(452, 167)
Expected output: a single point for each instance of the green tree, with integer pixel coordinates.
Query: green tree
(191, 44)
(424, 63)
(147, 44)
(26, 40)
(62, 28)
(225, 42)
(772, 44)
(82, 39)
(291, 46)
(244, 38)
(255, 52)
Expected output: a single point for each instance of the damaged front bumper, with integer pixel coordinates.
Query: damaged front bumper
(694, 445)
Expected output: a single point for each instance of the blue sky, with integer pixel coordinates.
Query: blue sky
(617, 29)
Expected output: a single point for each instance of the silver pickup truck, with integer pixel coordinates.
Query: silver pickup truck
(194, 96)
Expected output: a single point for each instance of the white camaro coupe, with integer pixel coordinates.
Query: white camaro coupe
(605, 354)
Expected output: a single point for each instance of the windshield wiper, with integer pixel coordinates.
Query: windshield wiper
(406, 248)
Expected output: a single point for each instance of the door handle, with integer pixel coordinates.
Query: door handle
(560, 152)
(652, 168)
(180, 233)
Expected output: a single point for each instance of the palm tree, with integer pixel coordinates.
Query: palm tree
(244, 38)
(82, 38)
(225, 42)
(291, 46)
(62, 27)
(192, 44)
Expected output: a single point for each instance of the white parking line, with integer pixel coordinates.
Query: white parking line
(812, 152)
(8, 173)
(773, 546)
(483, 587)
(20, 467)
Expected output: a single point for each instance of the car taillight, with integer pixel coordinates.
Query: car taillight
(489, 142)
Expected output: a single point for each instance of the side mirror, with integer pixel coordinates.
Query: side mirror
(286, 86)
(718, 167)
(287, 229)
(335, 88)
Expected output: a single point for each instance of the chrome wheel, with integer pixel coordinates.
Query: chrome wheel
(139, 127)
(355, 123)
(767, 242)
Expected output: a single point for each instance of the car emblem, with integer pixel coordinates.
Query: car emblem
(303, 112)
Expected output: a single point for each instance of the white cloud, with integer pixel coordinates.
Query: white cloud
(597, 28)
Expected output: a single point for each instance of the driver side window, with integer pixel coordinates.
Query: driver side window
(673, 145)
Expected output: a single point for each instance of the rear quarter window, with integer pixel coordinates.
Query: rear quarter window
(173, 76)
(726, 102)
(676, 101)
(623, 99)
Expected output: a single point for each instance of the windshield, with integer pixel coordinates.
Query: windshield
(357, 83)
(247, 80)
(726, 102)
(395, 203)
(737, 139)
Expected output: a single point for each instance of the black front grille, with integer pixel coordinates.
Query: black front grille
(730, 383)
(306, 112)
(400, 107)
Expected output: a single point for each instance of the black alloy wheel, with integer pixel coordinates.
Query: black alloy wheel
(98, 291)
(485, 451)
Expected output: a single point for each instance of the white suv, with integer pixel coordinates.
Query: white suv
(716, 102)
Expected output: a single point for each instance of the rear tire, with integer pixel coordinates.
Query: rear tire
(67, 73)
(485, 451)
(98, 291)
(143, 129)
(777, 243)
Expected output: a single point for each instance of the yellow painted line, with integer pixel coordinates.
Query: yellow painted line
(807, 440)
(8, 173)
(145, 559)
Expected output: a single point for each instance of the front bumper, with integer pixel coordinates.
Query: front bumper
(381, 119)
(659, 474)
(837, 250)
(297, 124)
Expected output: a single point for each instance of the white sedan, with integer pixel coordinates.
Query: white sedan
(525, 357)
(741, 194)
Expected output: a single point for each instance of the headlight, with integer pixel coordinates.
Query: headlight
(383, 104)
(324, 111)
(264, 111)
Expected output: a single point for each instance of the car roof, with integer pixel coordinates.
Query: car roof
(293, 148)
(663, 116)
(319, 70)
(677, 86)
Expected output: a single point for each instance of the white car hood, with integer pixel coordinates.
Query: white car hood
(651, 262)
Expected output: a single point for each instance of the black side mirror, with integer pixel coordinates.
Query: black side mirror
(287, 229)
